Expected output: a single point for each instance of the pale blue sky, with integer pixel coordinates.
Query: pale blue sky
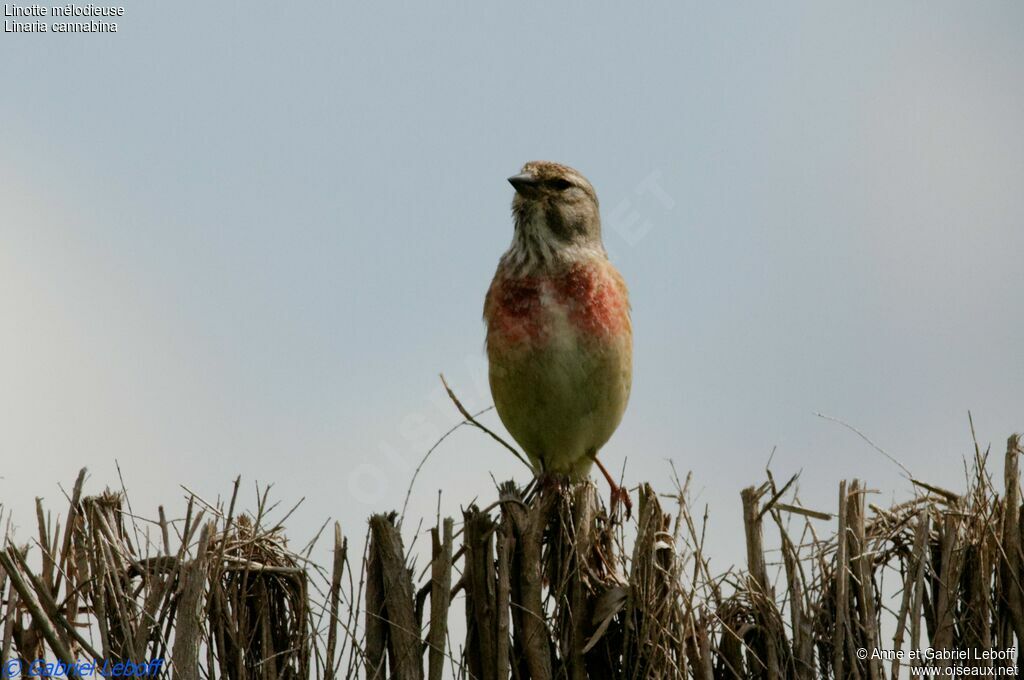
(246, 237)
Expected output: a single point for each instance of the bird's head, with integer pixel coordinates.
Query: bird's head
(555, 210)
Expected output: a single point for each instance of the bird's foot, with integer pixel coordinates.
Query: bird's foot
(618, 493)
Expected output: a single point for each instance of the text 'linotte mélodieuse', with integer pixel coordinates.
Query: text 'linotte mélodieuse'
(89, 18)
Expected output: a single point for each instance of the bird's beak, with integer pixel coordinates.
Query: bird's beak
(524, 183)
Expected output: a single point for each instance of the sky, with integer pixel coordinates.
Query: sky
(246, 238)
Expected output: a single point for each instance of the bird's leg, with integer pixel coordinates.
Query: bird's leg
(618, 493)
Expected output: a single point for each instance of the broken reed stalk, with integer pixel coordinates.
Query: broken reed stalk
(440, 596)
(1011, 568)
(553, 587)
(395, 604)
(480, 582)
(763, 653)
(337, 572)
(840, 623)
(188, 617)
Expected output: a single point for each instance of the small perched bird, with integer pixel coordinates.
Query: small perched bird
(559, 336)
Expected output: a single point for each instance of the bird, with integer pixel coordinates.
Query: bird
(559, 337)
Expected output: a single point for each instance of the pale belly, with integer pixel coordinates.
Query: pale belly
(561, 392)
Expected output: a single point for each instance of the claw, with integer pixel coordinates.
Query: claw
(618, 493)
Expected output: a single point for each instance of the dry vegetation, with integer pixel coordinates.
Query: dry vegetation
(548, 584)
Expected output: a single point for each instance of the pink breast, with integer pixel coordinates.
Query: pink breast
(597, 305)
(516, 316)
(522, 308)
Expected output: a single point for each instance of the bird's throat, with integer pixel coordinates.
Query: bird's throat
(541, 247)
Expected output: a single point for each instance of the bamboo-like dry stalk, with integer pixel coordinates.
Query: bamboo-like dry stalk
(440, 597)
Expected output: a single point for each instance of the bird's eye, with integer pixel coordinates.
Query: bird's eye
(559, 184)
